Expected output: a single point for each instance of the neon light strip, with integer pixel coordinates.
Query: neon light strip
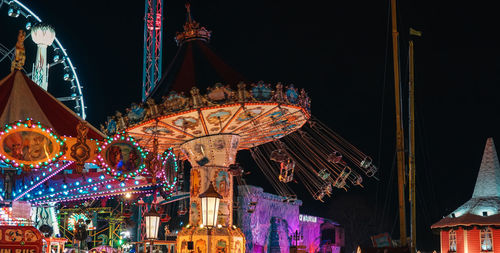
(72, 189)
(43, 180)
(102, 195)
(98, 195)
(90, 194)
(66, 57)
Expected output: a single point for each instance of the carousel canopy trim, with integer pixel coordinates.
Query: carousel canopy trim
(258, 115)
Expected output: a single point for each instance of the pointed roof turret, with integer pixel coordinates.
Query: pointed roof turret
(483, 208)
(195, 63)
(488, 179)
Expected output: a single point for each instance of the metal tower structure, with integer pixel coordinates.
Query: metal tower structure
(153, 28)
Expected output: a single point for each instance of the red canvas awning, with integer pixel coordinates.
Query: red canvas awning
(21, 98)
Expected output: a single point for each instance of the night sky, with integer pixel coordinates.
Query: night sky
(341, 53)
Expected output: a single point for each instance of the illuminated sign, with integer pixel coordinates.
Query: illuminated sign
(307, 218)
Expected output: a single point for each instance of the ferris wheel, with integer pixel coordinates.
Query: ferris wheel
(74, 99)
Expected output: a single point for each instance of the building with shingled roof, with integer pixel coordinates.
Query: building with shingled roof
(475, 226)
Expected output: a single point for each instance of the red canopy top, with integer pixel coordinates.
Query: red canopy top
(21, 98)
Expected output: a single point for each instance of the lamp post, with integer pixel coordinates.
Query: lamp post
(152, 219)
(209, 209)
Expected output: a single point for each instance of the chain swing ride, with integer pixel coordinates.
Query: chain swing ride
(315, 155)
(206, 127)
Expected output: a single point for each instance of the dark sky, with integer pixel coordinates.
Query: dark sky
(340, 52)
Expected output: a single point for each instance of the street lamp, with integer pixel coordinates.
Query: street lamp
(210, 206)
(152, 219)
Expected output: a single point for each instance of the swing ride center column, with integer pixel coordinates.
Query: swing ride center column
(210, 158)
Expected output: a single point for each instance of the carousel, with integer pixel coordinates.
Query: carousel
(60, 175)
(208, 124)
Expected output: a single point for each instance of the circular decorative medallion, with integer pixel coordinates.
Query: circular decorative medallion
(121, 156)
(29, 145)
(171, 168)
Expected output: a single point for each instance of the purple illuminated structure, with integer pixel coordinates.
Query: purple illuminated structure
(272, 223)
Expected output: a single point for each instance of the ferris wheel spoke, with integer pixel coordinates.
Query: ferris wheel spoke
(8, 54)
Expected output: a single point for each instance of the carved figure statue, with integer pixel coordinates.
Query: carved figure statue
(278, 94)
(20, 55)
(120, 121)
(196, 97)
(152, 109)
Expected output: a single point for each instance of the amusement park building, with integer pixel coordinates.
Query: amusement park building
(474, 226)
(273, 224)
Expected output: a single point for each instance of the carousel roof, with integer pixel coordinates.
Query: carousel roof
(483, 208)
(21, 98)
(195, 64)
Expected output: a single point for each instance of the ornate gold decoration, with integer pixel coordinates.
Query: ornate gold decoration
(29, 145)
(192, 30)
(20, 55)
(154, 162)
(220, 94)
(80, 151)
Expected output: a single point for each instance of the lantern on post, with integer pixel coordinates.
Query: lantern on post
(152, 219)
(210, 206)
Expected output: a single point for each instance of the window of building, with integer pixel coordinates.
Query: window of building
(486, 239)
(453, 241)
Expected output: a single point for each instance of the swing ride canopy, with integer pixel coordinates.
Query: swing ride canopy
(202, 96)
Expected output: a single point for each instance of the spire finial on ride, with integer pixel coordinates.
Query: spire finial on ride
(20, 55)
(192, 30)
(188, 10)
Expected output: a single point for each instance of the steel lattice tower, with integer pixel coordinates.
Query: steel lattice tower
(153, 28)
